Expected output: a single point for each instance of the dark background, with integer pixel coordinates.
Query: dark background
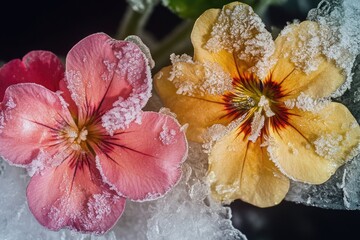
(57, 25)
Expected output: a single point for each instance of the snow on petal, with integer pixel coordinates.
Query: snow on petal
(240, 31)
(28, 128)
(73, 198)
(144, 160)
(99, 70)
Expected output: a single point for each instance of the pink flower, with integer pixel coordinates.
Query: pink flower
(87, 146)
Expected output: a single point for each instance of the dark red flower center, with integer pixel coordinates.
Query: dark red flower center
(259, 103)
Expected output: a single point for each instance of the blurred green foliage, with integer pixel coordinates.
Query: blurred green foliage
(191, 9)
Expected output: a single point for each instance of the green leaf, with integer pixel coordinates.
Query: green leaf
(192, 9)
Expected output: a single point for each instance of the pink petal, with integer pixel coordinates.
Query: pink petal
(101, 70)
(73, 196)
(30, 119)
(143, 162)
(40, 67)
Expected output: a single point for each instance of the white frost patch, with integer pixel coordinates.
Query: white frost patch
(216, 81)
(106, 76)
(75, 84)
(132, 64)
(10, 104)
(167, 111)
(328, 145)
(339, 33)
(122, 114)
(306, 103)
(38, 164)
(218, 131)
(308, 47)
(180, 58)
(167, 136)
(99, 206)
(63, 103)
(241, 32)
(256, 126)
(191, 77)
(290, 103)
(143, 48)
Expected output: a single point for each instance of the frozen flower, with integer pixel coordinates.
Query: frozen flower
(262, 107)
(82, 135)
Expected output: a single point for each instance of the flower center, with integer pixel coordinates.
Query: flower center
(258, 104)
(76, 138)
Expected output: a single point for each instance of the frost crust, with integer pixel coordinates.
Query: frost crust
(241, 32)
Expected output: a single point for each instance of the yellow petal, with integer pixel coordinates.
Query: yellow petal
(240, 169)
(301, 67)
(315, 144)
(235, 38)
(199, 111)
(199, 37)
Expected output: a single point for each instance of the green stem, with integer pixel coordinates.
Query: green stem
(133, 22)
(179, 38)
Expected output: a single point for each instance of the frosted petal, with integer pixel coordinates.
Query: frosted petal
(341, 191)
(29, 132)
(40, 67)
(74, 198)
(184, 212)
(238, 31)
(143, 162)
(101, 71)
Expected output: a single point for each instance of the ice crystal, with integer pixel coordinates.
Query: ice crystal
(339, 31)
(167, 136)
(241, 32)
(306, 103)
(210, 77)
(74, 83)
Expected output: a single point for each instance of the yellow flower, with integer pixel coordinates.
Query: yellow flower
(263, 106)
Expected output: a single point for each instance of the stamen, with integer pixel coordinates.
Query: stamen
(256, 125)
(83, 135)
(264, 103)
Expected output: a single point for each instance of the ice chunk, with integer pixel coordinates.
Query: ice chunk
(339, 31)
